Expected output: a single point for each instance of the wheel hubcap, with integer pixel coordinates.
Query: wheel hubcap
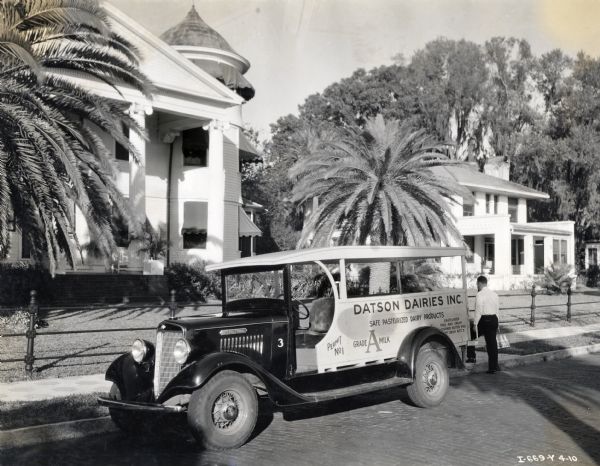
(225, 410)
(430, 377)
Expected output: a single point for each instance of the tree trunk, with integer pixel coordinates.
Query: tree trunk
(379, 277)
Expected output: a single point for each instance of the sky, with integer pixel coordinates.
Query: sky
(298, 47)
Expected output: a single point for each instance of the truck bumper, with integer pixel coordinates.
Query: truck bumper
(139, 406)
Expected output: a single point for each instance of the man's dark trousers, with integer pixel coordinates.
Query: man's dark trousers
(488, 327)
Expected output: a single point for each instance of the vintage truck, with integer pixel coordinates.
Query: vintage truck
(300, 327)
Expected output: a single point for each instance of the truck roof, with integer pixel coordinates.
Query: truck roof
(355, 253)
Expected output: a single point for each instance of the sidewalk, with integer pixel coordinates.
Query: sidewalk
(41, 389)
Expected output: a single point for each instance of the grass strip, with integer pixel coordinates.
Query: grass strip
(17, 414)
(523, 348)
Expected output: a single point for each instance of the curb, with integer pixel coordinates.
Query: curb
(27, 436)
(533, 358)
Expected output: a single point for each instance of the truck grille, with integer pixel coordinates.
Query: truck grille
(165, 367)
(249, 345)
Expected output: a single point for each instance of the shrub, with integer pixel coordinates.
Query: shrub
(18, 279)
(13, 321)
(592, 276)
(557, 278)
(192, 282)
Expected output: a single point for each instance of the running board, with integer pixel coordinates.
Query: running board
(334, 394)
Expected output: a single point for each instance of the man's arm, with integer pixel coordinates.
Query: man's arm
(477, 308)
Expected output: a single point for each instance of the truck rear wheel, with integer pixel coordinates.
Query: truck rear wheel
(223, 413)
(431, 378)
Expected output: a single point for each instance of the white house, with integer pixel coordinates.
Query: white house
(506, 247)
(188, 179)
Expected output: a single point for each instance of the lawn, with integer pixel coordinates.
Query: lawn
(30, 413)
(85, 351)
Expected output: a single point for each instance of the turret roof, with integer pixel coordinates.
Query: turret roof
(193, 31)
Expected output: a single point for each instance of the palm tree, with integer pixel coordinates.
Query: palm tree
(377, 183)
(50, 157)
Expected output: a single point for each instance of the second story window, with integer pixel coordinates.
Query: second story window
(468, 210)
(121, 152)
(488, 203)
(513, 208)
(495, 205)
(194, 145)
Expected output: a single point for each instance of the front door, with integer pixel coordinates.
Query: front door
(538, 256)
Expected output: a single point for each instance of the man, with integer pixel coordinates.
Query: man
(486, 319)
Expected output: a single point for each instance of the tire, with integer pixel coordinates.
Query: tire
(223, 413)
(124, 420)
(431, 378)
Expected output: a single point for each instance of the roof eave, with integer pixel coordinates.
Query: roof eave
(355, 253)
(509, 192)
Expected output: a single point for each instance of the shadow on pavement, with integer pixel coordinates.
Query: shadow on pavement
(552, 397)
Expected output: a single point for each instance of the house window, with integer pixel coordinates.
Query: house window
(120, 229)
(25, 244)
(517, 251)
(121, 152)
(559, 251)
(194, 145)
(592, 256)
(468, 210)
(488, 203)
(470, 242)
(489, 253)
(246, 246)
(495, 205)
(195, 220)
(513, 209)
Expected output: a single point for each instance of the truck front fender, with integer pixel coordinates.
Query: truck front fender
(409, 349)
(133, 380)
(198, 373)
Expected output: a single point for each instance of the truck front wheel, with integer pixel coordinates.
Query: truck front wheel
(223, 413)
(431, 378)
(127, 421)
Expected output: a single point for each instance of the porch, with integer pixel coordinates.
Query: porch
(513, 255)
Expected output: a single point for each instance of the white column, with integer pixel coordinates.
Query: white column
(528, 246)
(216, 198)
(548, 249)
(522, 211)
(502, 253)
(137, 181)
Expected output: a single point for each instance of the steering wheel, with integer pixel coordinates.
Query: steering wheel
(302, 315)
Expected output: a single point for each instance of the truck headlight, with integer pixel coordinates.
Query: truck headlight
(139, 350)
(181, 351)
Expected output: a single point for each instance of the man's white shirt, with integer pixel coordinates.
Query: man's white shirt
(486, 303)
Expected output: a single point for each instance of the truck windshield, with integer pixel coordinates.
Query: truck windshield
(267, 284)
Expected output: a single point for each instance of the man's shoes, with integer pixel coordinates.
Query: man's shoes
(471, 360)
(491, 371)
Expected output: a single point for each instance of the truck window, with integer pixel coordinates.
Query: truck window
(267, 284)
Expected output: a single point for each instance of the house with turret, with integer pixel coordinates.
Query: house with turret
(187, 181)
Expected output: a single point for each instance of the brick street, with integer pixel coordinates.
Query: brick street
(548, 409)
